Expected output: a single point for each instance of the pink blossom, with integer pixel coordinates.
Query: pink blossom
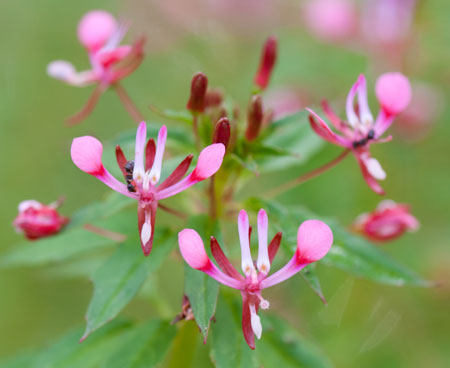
(143, 175)
(388, 221)
(333, 20)
(100, 34)
(314, 240)
(36, 220)
(393, 92)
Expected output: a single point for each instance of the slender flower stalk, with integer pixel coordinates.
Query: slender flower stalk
(36, 220)
(393, 92)
(142, 174)
(100, 34)
(314, 240)
(388, 221)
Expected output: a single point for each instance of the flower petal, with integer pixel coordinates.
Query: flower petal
(209, 161)
(141, 137)
(95, 29)
(349, 108)
(155, 172)
(393, 91)
(246, 256)
(86, 153)
(314, 240)
(323, 130)
(263, 262)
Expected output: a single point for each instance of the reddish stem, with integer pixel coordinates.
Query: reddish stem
(308, 176)
(128, 103)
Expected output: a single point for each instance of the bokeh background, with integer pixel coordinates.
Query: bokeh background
(365, 324)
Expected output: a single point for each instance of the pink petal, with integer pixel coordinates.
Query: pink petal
(192, 249)
(314, 240)
(364, 111)
(393, 91)
(322, 129)
(155, 172)
(263, 261)
(139, 148)
(222, 260)
(349, 108)
(368, 177)
(95, 28)
(246, 256)
(86, 154)
(209, 161)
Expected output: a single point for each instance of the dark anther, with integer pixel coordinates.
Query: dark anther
(131, 188)
(371, 134)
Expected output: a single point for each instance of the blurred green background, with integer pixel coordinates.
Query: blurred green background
(365, 324)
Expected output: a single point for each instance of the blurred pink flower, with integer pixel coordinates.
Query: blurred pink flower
(393, 92)
(36, 220)
(388, 221)
(331, 20)
(142, 177)
(314, 240)
(100, 34)
(387, 21)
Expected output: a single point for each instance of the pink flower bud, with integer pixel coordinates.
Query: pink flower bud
(95, 29)
(199, 86)
(267, 62)
(86, 153)
(36, 220)
(393, 92)
(314, 240)
(222, 132)
(209, 161)
(192, 249)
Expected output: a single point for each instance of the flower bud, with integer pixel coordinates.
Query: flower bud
(36, 220)
(254, 118)
(222, 132)
(267, 62)
(199, 86)
(314, 240)
(192, 249)
(213, 98)
(96, 28)
(209, 161)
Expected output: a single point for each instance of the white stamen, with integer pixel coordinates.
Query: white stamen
(146, 230)
(255, 322)
(146, 181)
(375, 169)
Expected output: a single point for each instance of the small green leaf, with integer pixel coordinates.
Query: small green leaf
(69, 243)
(293, 135)
(310, 276)
(144, 346)
(228, 346)
(283, 346)
(201, 289)
(121, 276)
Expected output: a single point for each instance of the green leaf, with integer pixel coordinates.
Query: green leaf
(283, 346)
(69, 243)
(310, 276)
(293, 135)
(228, 346)
(201, 289)
(349, 252)
(144, 346)
(121, 276)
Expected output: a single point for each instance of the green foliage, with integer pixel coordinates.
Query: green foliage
(118, 280)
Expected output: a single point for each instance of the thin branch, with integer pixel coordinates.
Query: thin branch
(173, 211)
(128, 103)
(105, 233)
(308, 176)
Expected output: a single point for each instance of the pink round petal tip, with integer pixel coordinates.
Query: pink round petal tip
(86, 153)
(95, 28)
(209, 161)
(314, 240)
(393, 91)
(192, 249)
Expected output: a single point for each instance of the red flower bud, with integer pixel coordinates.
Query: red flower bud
(222, 132)
(199, 86)
(213, 98)
(267, 62)
(36, 220)
(254, 118)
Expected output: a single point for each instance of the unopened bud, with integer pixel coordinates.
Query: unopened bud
(267, 62)
(199, 86)
(254, 118)
(222, 132)
(213, 98)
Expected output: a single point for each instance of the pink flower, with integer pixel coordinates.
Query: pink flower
(101, 35)
(314, 240)
(389, 221)
(393, 92)
(36, 220)
(142, 176)
(332, 20)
